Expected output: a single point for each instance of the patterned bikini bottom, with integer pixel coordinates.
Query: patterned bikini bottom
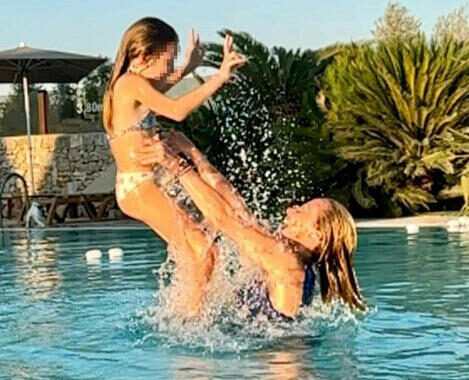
(168, 183)
(128, 181)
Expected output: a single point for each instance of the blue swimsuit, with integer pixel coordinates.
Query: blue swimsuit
(257, 299)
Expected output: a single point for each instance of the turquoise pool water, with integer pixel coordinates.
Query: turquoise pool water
(61, 318)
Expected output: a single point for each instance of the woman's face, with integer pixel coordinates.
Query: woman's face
(301, 224)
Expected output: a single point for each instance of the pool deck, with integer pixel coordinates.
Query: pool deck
(436, 221)
(119, 224)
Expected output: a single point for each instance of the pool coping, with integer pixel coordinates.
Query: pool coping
(424, 221)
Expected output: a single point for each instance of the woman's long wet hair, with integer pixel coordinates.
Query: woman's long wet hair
(335, 264)
(148, 36)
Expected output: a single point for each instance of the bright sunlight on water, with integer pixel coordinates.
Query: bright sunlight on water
(63, 318)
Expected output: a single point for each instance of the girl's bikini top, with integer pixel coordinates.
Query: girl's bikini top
(149, 124)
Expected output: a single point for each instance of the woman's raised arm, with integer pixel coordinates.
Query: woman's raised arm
(176, 141)
(256, 244)
(212, 176)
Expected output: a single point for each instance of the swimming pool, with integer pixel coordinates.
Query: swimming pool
(62, 318)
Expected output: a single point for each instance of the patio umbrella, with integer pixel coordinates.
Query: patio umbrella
(42, 66)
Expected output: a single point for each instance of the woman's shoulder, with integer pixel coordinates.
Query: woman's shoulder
(285, 260)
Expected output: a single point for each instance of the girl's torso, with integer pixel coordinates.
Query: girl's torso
(125, 139)
(131, 124)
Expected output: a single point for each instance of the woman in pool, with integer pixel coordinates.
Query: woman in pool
(321, 233)
(143, 68)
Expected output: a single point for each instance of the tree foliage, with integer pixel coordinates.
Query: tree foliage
(93, 87)
(13, 116)
(63, 98)
(400, 110)
(454, 25)
(396, 22)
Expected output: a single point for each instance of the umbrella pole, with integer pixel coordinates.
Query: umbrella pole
(28, 128)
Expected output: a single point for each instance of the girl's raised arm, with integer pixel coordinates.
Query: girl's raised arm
(141, 89)
(194, 58)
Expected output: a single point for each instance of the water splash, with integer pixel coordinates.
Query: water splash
(224, 325)
(259, 151)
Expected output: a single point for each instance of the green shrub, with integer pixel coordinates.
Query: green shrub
(400, 110)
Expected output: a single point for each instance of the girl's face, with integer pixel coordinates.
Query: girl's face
(164, 65)
(157, 67)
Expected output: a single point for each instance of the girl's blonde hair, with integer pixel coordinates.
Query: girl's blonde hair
(338, 236)
(149, 36)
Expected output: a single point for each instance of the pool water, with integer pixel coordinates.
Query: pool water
(63, 318)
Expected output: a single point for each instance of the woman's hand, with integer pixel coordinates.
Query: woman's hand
(153, 151)
(194, 52)
(157, 152)
(231, 59)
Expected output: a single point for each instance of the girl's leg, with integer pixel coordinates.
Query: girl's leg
(194, 252)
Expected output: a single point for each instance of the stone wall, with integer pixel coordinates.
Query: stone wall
(62, 163)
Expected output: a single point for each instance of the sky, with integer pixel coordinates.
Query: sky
(95, 27)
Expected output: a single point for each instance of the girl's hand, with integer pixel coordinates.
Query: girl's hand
(231, 59)
(194, 52)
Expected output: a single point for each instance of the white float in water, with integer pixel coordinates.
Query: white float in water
(93, 255)
(453, 226)
(460, 224)
(115, 254)
(464, 223)
(412, 229)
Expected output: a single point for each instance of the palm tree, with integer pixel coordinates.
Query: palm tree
(271, 141)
